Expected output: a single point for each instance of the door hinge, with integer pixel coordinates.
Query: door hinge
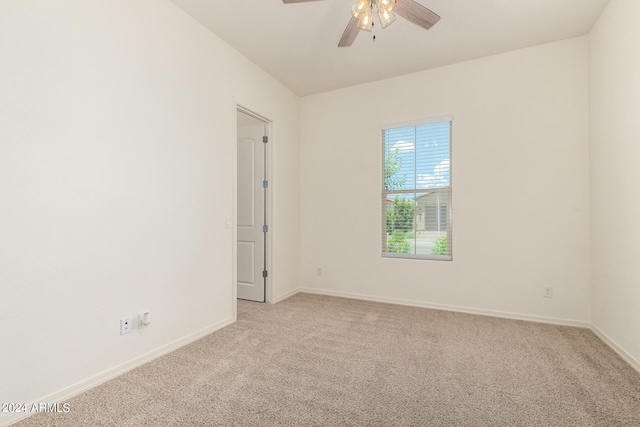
(264, 273)
(265, 139)
(265, 184)
(265, 228)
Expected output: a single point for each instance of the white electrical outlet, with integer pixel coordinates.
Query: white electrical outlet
(144, 319)
(319, 271)
(548, 292)
(125, 325)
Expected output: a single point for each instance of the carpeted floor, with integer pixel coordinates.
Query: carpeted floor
(325, 361)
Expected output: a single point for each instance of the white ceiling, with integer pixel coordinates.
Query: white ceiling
(297, 43)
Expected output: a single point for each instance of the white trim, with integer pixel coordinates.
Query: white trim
(285, 296)
(414, 256)
(454, 308)
(234, 215)
(250, 113)
(417, 122)
(94, 381)
(635, 364)
(269, 211)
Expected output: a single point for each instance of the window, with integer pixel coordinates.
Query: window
(416, 190)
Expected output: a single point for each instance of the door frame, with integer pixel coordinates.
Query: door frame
(268, 125)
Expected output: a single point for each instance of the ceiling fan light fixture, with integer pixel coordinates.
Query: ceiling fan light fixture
(386, 4)
(359, 8)
(386, 17)
(366, 19)
(364, 12)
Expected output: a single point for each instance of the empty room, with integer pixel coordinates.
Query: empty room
(319, 213)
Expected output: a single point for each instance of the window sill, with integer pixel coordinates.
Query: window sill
(410, 256)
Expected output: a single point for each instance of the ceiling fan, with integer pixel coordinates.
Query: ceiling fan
(364, 10)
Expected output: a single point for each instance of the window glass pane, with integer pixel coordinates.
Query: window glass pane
(400, 173)
(400, 216)
(432, 155)
(431, 223)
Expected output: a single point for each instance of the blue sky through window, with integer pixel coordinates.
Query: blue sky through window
(424, 153)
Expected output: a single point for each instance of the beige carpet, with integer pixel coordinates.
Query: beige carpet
(324, 361)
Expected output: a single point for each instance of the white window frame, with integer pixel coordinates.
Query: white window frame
(413, 191)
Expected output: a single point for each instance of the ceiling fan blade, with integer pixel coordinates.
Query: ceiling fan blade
(350, 33)
(416, 13)
(296, 1)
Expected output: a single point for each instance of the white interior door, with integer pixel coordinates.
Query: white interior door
(251, 209)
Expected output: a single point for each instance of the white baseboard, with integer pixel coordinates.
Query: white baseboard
(635, 364)
(84, 385)
(445, 307)
(285, 296)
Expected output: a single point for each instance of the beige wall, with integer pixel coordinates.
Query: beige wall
(615, 175)
(520, 176)
(117, 145)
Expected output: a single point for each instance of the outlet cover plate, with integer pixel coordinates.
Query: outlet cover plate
(125, 325)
